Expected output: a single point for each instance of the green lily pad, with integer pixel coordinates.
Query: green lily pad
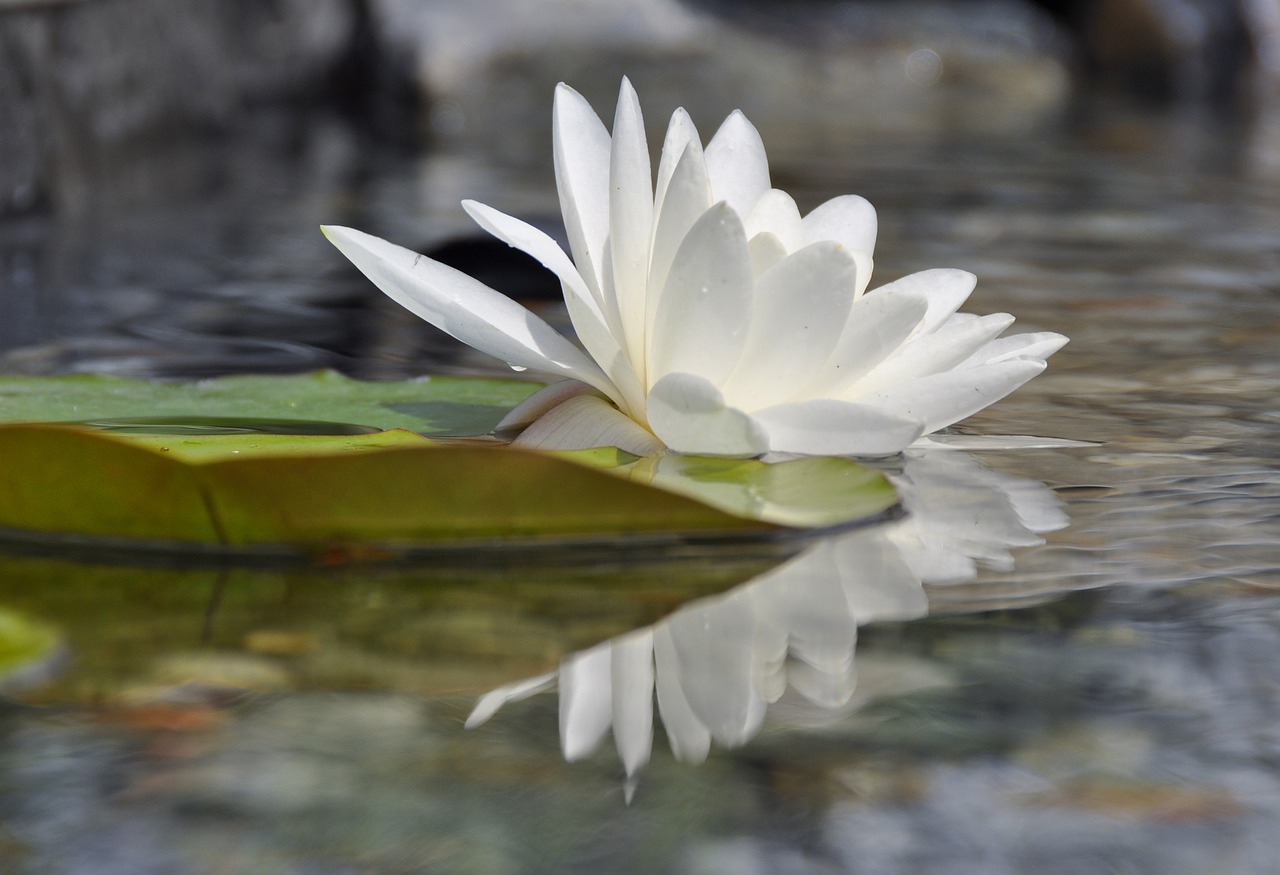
(225, 478)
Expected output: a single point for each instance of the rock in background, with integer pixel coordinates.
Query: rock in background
(85, 83)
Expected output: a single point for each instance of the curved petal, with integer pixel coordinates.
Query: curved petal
(1033, 345)
(681, 134)
(776, 212)
(632, 675)
(688, 197)
(941, 399)
(491, 702)
(851, 221)
(689, 415)
(932, 353)
(944, 288)
(586, 700)
(630, 221)
(584, 312)
(737, 164)
(827, 427)
(702, 317)
(877, 325)
(690, 741)
(465, 308)
(766, 251)
(585, 421)
(537, 405)
(798, 310)
(580, 146)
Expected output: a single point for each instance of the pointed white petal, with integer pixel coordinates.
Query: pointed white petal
(681, 135)
(586, 700)
(633, 698)
(580, 145)
(941, 399)
(766, 251)
(490, 703)
(689, 739)
(776, 213)
(1034, 345)
(466, 308)
(851, 221)
(996, 442)
(586, 421)
(798, 311)
(630, 221)
(535, 243)
(944, 288)
(584, 312)
(933, 353)
(877, 325)
(737, 164)
(688, 197)
(702, 317)
(688, 414)
(827, 427)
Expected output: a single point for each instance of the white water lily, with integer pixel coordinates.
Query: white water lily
(715, 319)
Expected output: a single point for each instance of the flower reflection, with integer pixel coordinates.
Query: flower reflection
(716, 664)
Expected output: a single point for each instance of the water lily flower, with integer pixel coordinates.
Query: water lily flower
(715, 319)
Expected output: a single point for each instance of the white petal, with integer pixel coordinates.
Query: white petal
(877, 583)
(944, 288)
(586, 421)
(1034, 345)
(766, 251)
(539, 404)
(689, 739)
(851, 221)
(681, 134)
(586, 700)
(702, 317)
(877, 325)
(932, 353)
(827, 427)
(941, 399)
(689, 415)
(688, 197)
(490, 703)
(776, 212)
(584, 312)
(466, 308)
(737, 164)
(798, 310)
(633, 698)
(714, 646)
(630, 221)
(580, 145)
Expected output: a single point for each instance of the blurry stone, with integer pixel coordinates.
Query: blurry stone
(1169, 48)
(918, 66)
(84, 83)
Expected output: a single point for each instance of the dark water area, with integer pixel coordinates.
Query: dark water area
(1062, 660)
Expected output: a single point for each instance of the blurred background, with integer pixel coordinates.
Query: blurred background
(164, 163)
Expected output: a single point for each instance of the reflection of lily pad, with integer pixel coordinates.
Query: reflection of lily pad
(214, 478)
(24, 644)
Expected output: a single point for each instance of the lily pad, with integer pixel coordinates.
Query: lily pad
(220, 478)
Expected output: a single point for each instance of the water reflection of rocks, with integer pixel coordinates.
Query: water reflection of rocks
(717, 664)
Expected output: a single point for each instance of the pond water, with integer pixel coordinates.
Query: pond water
(1067, 660)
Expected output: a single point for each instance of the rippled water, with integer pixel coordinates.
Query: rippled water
(1104, 701)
